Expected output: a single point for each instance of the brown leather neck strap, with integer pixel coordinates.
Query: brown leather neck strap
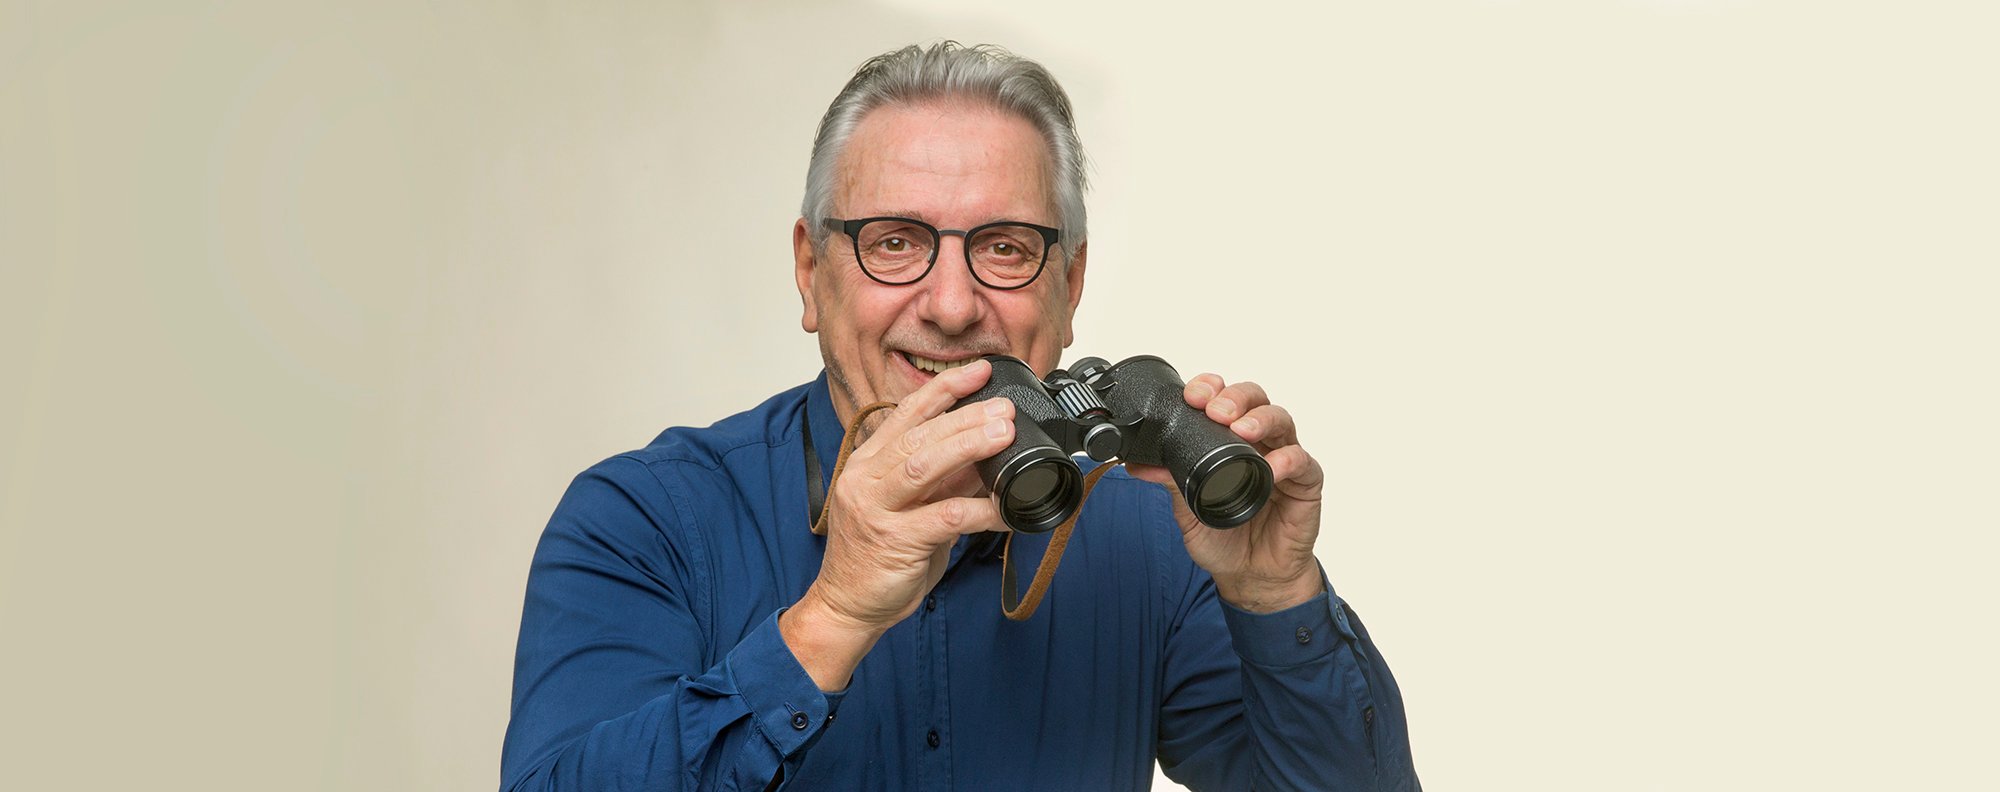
(847, 447)
(1021, 607)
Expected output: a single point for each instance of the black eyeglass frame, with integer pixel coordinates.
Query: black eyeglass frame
(852, 228)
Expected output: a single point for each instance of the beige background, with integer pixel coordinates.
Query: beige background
(1650, 346)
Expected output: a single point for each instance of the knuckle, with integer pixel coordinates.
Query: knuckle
(1299, 458)
(915, 468)
(908, 442)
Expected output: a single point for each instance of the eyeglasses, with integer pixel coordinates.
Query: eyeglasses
(894, 251)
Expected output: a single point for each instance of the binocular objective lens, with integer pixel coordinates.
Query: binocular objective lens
(1229, 488)
(1037, 493)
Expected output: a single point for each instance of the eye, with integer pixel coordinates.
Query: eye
(1005, 249)
(894, 245)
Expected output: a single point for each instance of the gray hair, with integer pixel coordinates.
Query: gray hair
(949, 70)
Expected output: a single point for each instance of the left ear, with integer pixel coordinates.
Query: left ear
(805, 260)
(1073, 281)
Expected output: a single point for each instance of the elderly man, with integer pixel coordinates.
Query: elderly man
(686, 628)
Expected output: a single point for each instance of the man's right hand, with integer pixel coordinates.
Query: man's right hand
(903, 498)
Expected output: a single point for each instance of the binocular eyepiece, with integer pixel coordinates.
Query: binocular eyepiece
(1133, 411)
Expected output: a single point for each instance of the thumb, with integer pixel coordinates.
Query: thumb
(1152, 473)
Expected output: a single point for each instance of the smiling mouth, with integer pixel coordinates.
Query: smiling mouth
(934, 366)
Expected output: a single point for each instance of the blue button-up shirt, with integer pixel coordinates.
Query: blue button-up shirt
(650, 657)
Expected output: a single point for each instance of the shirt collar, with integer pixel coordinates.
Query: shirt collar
(827, 431)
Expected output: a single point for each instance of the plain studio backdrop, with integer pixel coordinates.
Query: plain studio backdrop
(1650, 347)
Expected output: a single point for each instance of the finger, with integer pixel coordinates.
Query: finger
(963, 484)
(944, 521)
(1152, 473)
(1296, 473)
(1270, 424)
(940, 459)
(1200, 389)
(936, 396)
(1236, 400)
(951, 423)
(1165, 478)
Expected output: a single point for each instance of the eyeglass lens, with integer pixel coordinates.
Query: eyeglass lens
(1002, 255)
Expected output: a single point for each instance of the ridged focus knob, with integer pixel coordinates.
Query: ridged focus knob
(1090, 370)
(1078, 400)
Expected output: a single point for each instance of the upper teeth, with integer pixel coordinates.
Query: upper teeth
(935, 366)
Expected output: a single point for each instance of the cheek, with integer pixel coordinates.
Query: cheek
(840, 300)
(861, 315)
(1043, 315)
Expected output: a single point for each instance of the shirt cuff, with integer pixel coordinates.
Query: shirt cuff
(1300, 634)
(789, 708)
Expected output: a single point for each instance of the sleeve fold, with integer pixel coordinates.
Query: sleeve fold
(1296, 699)
(615, 687)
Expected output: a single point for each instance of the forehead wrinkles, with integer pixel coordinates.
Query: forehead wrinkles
(958, 143)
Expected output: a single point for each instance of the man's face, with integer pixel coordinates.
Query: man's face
(953, 165)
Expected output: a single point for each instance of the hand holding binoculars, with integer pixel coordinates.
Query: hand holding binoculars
(1133, 411)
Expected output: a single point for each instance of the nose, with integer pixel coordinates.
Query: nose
(952, 300)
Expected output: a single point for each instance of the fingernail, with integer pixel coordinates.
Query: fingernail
(997, 428)
(1203, 390)
(1224, 406)
(997, 406)
(1245, 426)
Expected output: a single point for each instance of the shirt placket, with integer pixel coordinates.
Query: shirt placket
(934, 657)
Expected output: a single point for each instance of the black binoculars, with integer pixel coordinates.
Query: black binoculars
(1133, 411)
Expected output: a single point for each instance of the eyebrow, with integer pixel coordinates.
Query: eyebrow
(909, 213)
(925, 217)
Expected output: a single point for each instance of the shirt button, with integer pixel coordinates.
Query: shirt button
(933, 739)
(799, 721)
(930, 603)
(1305, 635)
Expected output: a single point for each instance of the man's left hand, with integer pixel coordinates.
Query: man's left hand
(1266, 564)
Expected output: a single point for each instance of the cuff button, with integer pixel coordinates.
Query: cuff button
(799, 721)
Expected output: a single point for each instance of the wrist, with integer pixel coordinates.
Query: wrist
(828, 645)
(1270, 596)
